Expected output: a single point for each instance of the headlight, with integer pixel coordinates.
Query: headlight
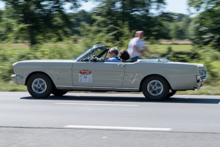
(201, 72)
(198, 78)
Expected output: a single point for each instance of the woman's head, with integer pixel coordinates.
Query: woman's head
(124, 55)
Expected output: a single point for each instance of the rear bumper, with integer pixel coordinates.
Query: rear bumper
(15, 78)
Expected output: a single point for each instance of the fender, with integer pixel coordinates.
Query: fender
(37, 71)
(166, 77)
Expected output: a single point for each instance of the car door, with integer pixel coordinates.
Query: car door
(98, 74)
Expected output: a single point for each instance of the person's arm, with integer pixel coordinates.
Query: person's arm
(147, 50)
(136, 49)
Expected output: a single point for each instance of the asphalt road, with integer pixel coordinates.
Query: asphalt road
(112, 120)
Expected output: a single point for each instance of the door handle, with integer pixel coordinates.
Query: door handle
(122, 65)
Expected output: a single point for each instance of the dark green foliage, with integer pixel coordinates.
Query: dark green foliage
(179, 27)
(207, 24)
(43, 19)
(78, 18)
(207, 30)
(177, 31)
(204, 4)
(177, 56)
(136, 13)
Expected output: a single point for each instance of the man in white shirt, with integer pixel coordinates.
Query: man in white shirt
(136, 46)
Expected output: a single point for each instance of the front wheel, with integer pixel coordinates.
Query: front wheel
(39, 86)
(155, 88)
(58, 92)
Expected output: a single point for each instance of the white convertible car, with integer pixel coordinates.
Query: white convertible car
(156, 78)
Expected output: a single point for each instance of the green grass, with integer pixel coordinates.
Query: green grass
(159, 49)
(15, 47)
(11, 86)
(206, 90)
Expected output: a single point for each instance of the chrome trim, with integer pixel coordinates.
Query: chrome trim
(200, 81)
(39, 86)
(89, 51)
(155, 87)
(121, 65)
(202, 72)
(134, 78)
(82, 88)
(15, 78)
(204, 77)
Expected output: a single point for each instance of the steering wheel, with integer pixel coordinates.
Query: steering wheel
(95, 58)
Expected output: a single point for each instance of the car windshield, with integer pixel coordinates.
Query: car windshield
(92, 54)
(84, 54)
(97, 54)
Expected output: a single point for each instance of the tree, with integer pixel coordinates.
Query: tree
(10, 30)
(178, 26)
(78, 18)
(204, 4)
(207, 30)
(177, 31)
(207, 24)
(185, 26)
(137, 13)
(44, 19)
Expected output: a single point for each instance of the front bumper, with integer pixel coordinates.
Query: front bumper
(15, 78)
(200, 81)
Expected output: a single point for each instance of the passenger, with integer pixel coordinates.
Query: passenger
(124, 55)
(113, 55)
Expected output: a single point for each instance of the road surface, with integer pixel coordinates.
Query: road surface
(111, 120)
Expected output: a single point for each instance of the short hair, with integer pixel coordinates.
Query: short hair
(113, 50)
(124, 55)
(137, 33)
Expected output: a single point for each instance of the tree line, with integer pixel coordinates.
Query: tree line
(41, 21)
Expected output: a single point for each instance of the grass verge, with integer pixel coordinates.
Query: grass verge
(11, 86)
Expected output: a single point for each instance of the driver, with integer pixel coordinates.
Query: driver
(113, 55)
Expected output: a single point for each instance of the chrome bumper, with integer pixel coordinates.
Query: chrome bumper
(200, 81)
(15, 78)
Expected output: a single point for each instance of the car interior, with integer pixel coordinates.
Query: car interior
(98, 55)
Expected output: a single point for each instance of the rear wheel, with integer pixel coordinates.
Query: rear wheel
(58, 92)
(39, 86)
(155, 88)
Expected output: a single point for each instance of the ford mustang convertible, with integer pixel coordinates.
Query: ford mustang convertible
(156, 78)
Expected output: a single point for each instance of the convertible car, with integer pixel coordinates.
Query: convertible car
(156, 78)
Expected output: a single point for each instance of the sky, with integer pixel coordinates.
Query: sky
(177, 6)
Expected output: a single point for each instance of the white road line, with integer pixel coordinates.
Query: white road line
(118, 128)
(96, 104)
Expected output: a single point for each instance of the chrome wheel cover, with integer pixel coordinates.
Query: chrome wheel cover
(155, 87)
(39, 86)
